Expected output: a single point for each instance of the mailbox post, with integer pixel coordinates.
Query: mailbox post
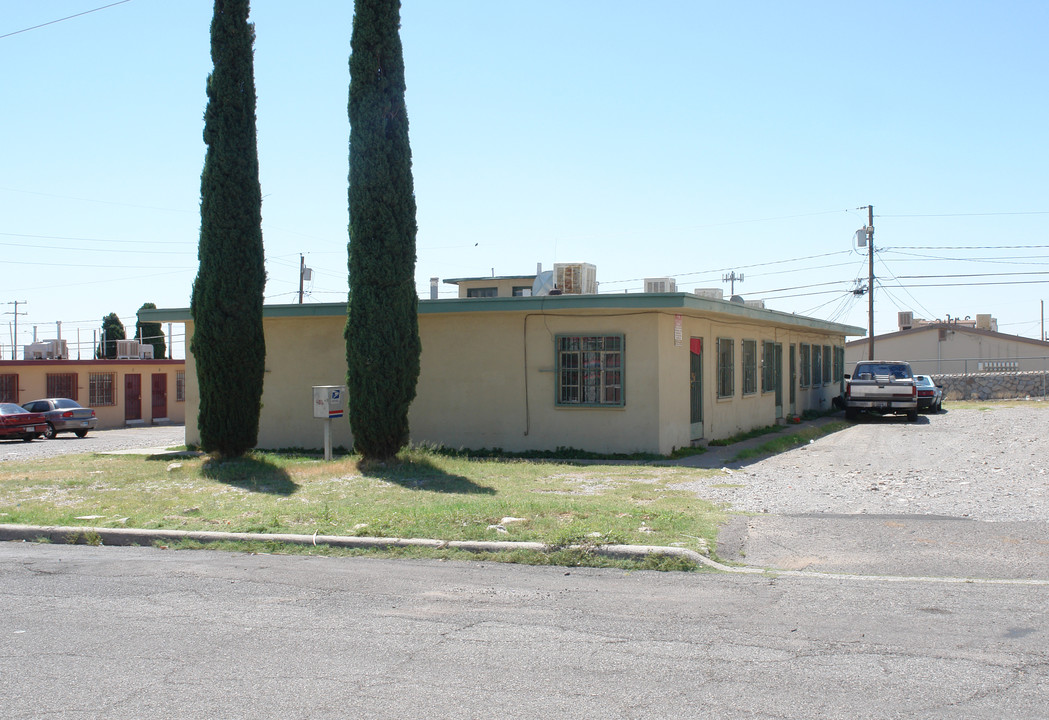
(329, 401)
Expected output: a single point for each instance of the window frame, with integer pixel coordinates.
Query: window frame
(180, 386)
(93, 389)
(768, 366)
(597, 365)
(57, 383)
(817, 366)
(748, 357)
(9, 382)
(828, 365)
(726, 387)
(482, 292)
(804, 365)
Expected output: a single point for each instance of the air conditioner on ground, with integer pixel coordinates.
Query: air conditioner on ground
(905, 320)
(710, 293)
(660, 285)
(575, 278)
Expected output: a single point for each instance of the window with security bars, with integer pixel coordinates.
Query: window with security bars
(9, 388)
(590, 370)
(839, 363)
(180, 386)
(726, 368)
(101, 389)
(62, 385)
(828, 366)
(817, 366)
(805, 365)
(750, 367)
(768, 366)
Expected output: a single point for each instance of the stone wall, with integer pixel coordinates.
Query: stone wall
(993, 386)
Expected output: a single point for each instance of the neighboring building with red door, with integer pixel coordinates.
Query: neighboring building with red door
(121, 392)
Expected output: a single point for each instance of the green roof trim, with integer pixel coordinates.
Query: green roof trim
(492, 278)
(685, 302)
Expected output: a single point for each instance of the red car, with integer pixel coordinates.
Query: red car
(17, 422)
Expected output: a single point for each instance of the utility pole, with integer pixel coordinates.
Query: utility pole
(14, 336)
(732, 278)
(870, 281)
(302, 274)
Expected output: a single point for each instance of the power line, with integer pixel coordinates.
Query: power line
(962, 247)
(985, 214)
(69, 17)
(84, 239)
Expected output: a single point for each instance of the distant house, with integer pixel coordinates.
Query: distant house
(939, 348)
(122, 392)
(607, 373)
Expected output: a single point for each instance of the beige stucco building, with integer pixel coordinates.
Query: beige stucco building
(604, 373)
(122, 392)
(951, 348)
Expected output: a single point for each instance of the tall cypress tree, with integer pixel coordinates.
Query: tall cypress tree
(226, 306)
(112, 330)
(151, 333)
(382, 329)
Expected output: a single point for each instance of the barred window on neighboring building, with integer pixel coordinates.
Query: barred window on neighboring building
(62, 385)
(9, 388)
(101, 389)
(839, 363)
(180, 386)
(806, 364)
(750, 367)
(590, 370)
(828, 365)
(768, 366)
(817, 366)
(726, 368)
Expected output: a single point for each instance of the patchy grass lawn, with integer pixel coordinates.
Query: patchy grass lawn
(423, 495)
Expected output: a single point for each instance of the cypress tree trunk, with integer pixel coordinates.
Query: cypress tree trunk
(382, 329)
(226, 306)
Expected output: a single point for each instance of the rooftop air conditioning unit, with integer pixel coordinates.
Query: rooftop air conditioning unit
(905, 320)
(46, 350)
(756, 304)
(127, 350)
(986, 322)
(710, 293)
(575, 278)
(660, 285)
(145, 351)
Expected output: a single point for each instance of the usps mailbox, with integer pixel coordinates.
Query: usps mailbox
(329, 401)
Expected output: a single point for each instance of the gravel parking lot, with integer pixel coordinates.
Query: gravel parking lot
(984, 464)
(160, 436)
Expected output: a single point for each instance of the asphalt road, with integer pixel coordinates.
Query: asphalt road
(143, 633)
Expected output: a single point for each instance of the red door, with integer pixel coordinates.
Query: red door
(160, 396)
(132, 397)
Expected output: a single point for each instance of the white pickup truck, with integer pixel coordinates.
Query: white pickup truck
(881, 386)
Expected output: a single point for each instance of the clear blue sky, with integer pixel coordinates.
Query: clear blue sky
(686, 138)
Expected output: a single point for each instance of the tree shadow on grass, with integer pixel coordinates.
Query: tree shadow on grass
(253, 474)
(421, 474)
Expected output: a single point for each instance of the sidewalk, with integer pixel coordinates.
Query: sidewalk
(719, 456)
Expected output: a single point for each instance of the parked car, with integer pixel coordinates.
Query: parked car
(17, 422)
(930, 395)
(881, 386)
(64, 415)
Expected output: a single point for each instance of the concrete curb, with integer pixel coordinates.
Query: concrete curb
(135, 536)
